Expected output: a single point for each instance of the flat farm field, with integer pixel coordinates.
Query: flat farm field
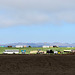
(37, 64)
(36, 48)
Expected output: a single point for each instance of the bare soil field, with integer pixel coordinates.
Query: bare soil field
(37, 64)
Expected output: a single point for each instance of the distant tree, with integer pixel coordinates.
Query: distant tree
(51, 51)
(55, 46)
(29, 46)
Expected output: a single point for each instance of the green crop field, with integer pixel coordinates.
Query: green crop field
(2, 49)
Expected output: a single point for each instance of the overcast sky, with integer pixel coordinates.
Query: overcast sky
(47, 18)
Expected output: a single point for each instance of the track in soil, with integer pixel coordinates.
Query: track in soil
(37, 64)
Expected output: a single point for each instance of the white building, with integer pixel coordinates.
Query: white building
(19, 46)
(11, 51)
(45, 46)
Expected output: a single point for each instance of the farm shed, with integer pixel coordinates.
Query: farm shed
(51, 46)
(24, 46)
(33, 52)
(45, 46)
(19, 46)
(9, 46)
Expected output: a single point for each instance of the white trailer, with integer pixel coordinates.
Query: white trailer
(67, 50)
(19, 46)
(45, 46)
(11, 51)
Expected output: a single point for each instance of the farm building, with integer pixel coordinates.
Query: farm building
(33, 52)
(45, 46)
(51, 46)
(9, 46)
(19, 46)
(24, 46)
(1, 46)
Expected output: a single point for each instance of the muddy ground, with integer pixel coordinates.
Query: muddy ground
(37, 64)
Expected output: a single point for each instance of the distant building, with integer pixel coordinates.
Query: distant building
(19, 46)
(51, 46)
(45, 46)
(24, 46)
(1, 46)
(9, 46)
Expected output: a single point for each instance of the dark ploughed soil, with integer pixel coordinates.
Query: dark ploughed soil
(37, 64)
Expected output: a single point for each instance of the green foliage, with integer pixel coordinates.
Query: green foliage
(28, 49)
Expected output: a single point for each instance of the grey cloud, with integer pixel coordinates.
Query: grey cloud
(28, 12)
(23, 18)
(39, 4)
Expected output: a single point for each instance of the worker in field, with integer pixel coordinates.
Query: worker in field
(59, 52)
